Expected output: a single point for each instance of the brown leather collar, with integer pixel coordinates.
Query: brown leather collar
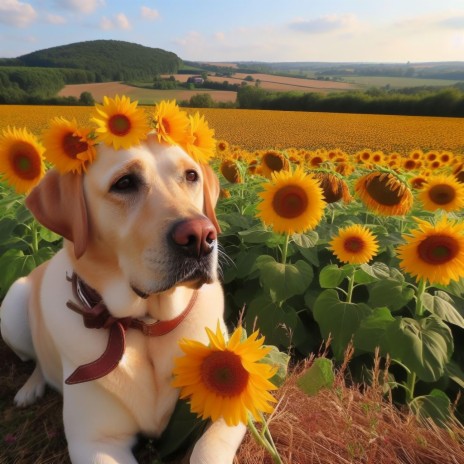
(96, 316)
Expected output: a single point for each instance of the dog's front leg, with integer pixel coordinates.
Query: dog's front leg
(98, 429)
(218, 444)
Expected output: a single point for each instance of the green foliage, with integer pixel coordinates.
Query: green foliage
(307, 298)
(108, 59)
(24, 244)
(447, 101)
(201, 100)
(318, 376)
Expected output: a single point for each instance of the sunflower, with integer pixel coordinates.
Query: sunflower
(67, 146)
(434, 252)
(417, 182)
(230, 170)
(333, 187)
(442, 192)
(225, 379)
(384, 193)
(292, 202)
(273, 161)
(21, 159)
(354, 244)
(171, 123)
(120, 123)
(200, 144)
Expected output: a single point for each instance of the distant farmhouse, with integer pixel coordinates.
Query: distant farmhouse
(195, 80)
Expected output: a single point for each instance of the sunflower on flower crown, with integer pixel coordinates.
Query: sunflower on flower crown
(119, 124)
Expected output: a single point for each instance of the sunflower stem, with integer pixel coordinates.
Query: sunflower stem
(349, 292)
(35, 237)
(264, 442)
(419, 312)
(419, 297)
(285, 249)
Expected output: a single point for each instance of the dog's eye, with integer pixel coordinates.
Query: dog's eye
(191, 175)
(126, 184)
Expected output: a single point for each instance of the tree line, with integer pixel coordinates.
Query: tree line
(447, 101)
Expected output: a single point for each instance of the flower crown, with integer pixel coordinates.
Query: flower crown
(119, 123)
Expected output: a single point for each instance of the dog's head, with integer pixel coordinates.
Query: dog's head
(147, 211)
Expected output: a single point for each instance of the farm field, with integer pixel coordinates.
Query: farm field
(397, 82)
(260, 129)
(280, 83)
(144, 96)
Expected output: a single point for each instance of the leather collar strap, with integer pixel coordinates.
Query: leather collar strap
(96, 316)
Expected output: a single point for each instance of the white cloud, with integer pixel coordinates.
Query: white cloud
(324, 24)
(149, 13)
(16, 13)
(81, 6)
(55, 19)
(220, 36)
(106, 24)
(122, 21)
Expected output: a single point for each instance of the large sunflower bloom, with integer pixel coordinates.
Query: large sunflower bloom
(434, 252)
(201, 144)
(171, 123)
(67, 146)
(225, 379)
(384, 194)
(120, 123)
(442, 192)
(21, 159)
(354, 244)
(292, 202)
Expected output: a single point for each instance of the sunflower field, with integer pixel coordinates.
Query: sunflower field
(352, 248)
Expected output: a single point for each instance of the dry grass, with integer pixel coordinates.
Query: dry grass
(345, 424)
(351, 425)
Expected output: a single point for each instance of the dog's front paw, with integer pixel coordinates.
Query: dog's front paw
(33, 388)
(218, 444)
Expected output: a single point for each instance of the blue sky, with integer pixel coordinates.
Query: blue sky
(261, 30)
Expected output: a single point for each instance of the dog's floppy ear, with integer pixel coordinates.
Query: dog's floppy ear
(58, 203)
(211, 194)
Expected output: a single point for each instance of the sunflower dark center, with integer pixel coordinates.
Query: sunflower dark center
(332, 188)
(383, 193)
(222, 372)
(438, 249)
(73, 145)
(290, 201)
(231, 172)
(25, 161)
(119, 125)
(409, 164)
(274, 161)
(353, 244)
(442, 194)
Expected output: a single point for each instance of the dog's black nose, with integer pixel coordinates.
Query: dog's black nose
(195, 237)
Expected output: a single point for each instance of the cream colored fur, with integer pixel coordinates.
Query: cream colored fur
(116, 243)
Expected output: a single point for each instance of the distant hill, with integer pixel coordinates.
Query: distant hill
(107, 60)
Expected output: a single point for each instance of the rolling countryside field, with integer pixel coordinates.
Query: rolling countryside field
(144, 96)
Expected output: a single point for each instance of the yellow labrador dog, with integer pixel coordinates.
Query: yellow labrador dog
(140, 247)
